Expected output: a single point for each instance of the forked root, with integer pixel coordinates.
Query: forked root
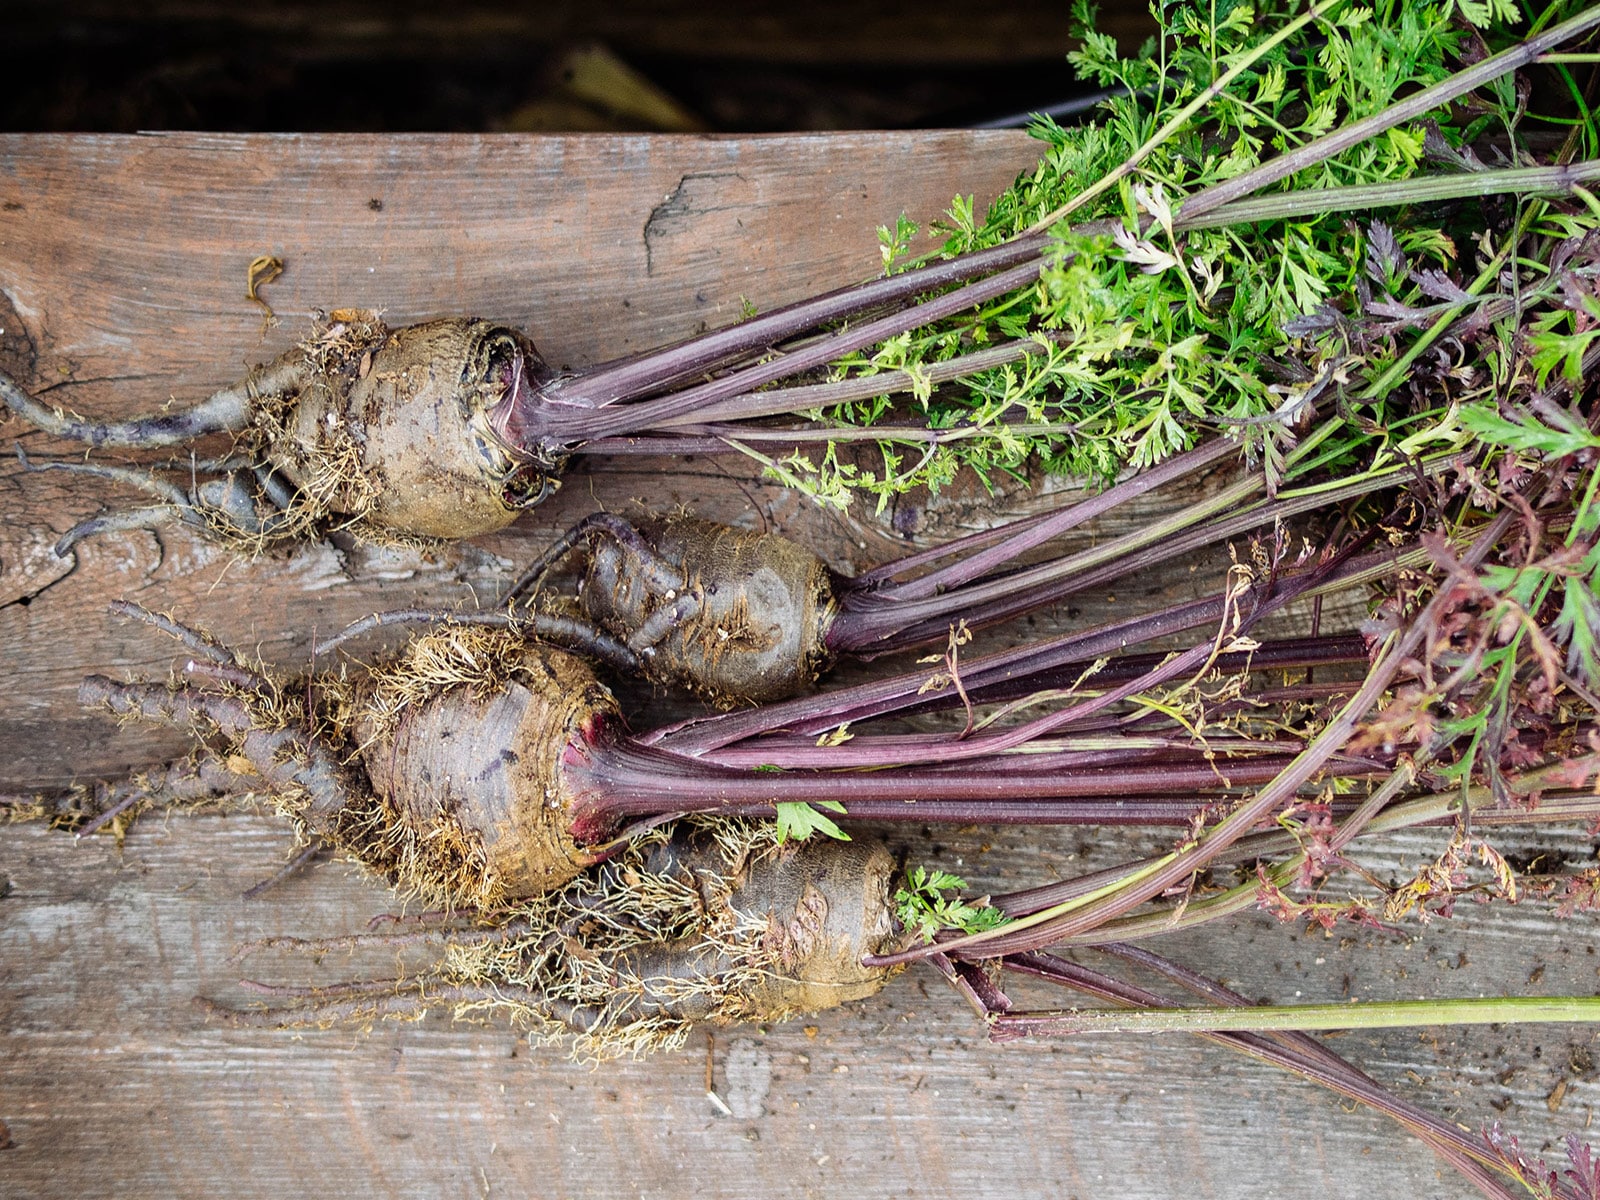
(197, 781)
(285, 758)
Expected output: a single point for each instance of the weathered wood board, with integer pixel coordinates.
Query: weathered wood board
(122, 267)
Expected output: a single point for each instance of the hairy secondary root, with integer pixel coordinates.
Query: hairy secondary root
(440, 770)
(712, 921)
(199, 781)
(387, 432)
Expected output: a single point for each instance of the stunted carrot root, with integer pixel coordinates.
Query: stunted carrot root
(463, 739)
(735, 616)
(390, 433)
(441, 771)
(712, 921)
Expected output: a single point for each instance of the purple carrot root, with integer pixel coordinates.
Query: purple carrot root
(477, 766)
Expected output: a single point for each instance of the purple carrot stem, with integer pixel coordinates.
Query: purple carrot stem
(876, 749)
(775, 402)
(545, 423)
(1286, 654)
(817, 714)
(892, 624)
(1274, 597)
(973, 566)
(627, 378)
(1247, 816)
(622, 780)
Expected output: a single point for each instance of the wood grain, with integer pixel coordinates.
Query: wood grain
(122, 262)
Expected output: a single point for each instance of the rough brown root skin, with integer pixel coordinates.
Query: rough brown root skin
(199, 781)
(394, 429)
(825, 905)
(463, 739)
(390, 433)
(747, 625)
(711, 921)
(782, 931)
(443, 771)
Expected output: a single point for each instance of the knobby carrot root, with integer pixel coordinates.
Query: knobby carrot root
(708, 921)
(395, 431)
(441, 771)
(735, 616)
(745, 618)
(389, 433)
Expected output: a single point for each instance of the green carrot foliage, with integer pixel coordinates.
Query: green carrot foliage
(1149, 335)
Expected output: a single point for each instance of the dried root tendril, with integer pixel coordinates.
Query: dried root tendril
(198, 782)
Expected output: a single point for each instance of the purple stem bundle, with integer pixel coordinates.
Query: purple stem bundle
(1025, 669)
(1247, 816)
(610, 401)
(895, 617)
(1007, 775)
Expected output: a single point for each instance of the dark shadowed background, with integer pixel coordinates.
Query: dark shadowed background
(722, 66)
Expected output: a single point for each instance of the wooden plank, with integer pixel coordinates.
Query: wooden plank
(122, 262)
(115, 1083)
